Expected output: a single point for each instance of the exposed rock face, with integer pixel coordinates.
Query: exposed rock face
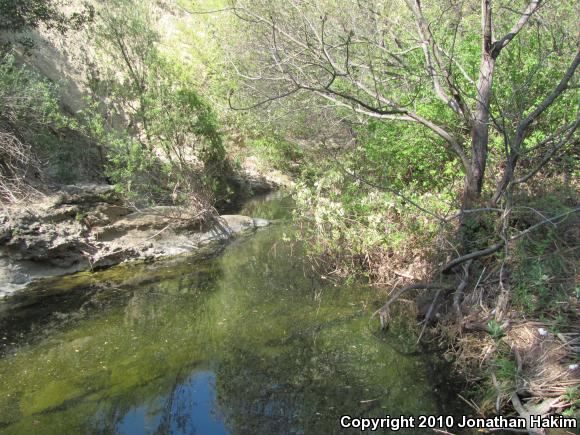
(252, 182)
(88, 227)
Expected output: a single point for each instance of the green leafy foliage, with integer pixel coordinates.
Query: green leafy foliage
(173, 146)
(495, 329)
(28, 99)
(542, 280)
(348, 222)
(572, 396)
(278, 152)
(16, 16)
(406, 158)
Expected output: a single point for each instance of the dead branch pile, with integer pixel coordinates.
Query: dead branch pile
(17, 162)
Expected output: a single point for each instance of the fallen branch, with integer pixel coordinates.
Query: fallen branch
(544, 222)
(383, 312)
(472, 256)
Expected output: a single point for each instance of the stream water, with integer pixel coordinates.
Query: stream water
(248, 342)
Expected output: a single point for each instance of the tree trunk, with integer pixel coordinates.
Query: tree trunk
(479, 133)
(480, 123)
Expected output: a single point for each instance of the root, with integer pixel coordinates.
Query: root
(458, 297)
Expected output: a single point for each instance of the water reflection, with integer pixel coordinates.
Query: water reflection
(246, 343)
(190, 409)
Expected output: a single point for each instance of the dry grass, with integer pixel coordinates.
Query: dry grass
(545, 360)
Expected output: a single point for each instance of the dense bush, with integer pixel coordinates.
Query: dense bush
(353, 227)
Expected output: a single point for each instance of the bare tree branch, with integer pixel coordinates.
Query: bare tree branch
(503, 42)
(430, 46)
(550, 153)
(522, 128)
(494, 248)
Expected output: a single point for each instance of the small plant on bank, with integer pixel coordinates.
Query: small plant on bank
(572, 397)
(495, 329)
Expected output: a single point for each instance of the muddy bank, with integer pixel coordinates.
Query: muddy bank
(89, 227)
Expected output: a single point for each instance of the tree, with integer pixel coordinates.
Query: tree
(406, 62)
(155, 96)
(17, 16)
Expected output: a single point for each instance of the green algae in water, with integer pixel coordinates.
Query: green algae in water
(248, 342)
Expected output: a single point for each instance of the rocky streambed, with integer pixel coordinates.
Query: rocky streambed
(88, 227)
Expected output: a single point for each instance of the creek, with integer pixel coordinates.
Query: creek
(248, 342)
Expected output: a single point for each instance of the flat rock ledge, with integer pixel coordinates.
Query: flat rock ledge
(89, 228)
